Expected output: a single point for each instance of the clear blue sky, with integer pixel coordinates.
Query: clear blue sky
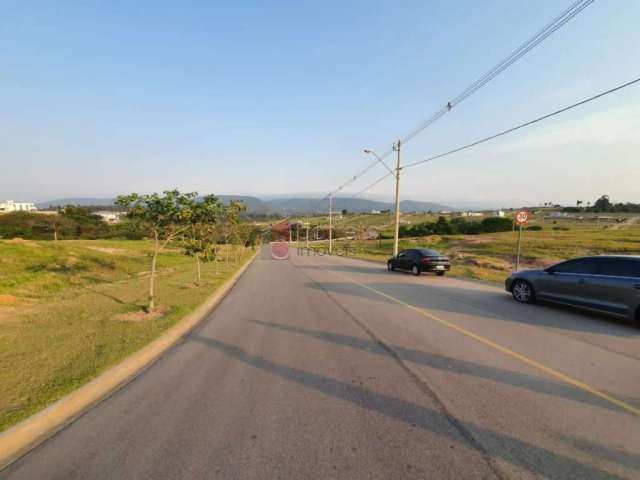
(100, 98)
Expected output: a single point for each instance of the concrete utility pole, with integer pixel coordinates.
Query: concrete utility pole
(396, 148)
(330, 226)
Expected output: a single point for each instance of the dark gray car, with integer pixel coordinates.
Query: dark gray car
(609, 284)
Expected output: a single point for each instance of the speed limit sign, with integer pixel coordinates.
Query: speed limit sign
(522, 216)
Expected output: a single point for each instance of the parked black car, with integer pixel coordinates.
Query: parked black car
(419, 260)
(609, 284)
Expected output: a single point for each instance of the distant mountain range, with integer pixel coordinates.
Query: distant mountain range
(282, 206)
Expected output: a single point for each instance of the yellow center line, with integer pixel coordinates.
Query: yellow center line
(548, 370)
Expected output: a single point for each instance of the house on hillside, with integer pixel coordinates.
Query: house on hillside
(11, 206)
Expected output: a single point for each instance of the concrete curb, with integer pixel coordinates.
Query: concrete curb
(28, 434)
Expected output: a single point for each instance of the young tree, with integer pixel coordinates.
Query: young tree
(232, 223)
(200, 238)
(167, 215)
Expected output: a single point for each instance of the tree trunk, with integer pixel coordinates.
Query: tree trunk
(156, 250)
(198, 267)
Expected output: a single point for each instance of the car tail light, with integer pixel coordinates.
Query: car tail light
(427, 260)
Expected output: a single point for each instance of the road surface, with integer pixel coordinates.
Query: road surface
(323, 367)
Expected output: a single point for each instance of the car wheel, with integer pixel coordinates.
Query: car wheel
(390, 266)
(440, 274)
(523, 292)
(415, 270)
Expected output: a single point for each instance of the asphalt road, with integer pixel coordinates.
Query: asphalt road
(326, 367)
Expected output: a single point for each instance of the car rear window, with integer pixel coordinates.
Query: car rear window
(619, 267)
(429, 253)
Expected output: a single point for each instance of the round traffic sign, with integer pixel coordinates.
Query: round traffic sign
(522, 216)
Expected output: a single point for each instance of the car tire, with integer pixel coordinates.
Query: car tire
(440, 274)
(523, 292)
(390, 267)
(415, 270)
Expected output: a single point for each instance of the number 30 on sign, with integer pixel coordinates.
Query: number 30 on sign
(522, 217)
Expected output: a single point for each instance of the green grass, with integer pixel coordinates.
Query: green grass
(59, 309)
(492, 256)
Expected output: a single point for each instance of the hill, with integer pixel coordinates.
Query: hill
(254, 205)
(82, 202)
(282, 206)
(355, 205)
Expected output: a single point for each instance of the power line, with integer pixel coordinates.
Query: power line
(518, 53)
(565, 16)
(526, 124)
(505, 132)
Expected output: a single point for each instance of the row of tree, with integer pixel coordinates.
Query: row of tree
(199, 225)
(604, 205)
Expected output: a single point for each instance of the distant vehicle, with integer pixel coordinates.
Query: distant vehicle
(418, 260)
(609, 284)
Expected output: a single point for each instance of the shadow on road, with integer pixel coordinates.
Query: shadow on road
(381, 270)
(486, 303)
(530, 457)
(449, 364)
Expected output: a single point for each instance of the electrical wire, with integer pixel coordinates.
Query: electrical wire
(565, 16)
(505, 132)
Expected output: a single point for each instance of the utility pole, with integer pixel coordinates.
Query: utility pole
(298, 236)
(307, 234)
(518, 248)
(330, 226)
(290, 229)
(396, 147)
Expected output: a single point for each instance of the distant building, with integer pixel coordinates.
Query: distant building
(109, 217)
(499, 213)
(11, 206)
(375, 212)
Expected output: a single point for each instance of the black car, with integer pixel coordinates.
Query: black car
(419, 260)
(607, 283)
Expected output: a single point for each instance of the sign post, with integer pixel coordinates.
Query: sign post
(522, 217)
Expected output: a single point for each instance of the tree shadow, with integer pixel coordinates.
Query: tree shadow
(133, 303)
(382, 270)
(449, 364)
(532, 458)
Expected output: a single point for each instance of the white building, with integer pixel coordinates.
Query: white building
(11, 206)
(109, 217)
(499, 213)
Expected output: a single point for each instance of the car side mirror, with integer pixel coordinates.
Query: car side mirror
(550, 270)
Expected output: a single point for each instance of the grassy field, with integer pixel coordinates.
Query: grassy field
(64, 306)
(491, 256)
(385, 222)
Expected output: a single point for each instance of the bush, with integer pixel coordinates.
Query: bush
(534, 228)
(457, 226)
(561, 228)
